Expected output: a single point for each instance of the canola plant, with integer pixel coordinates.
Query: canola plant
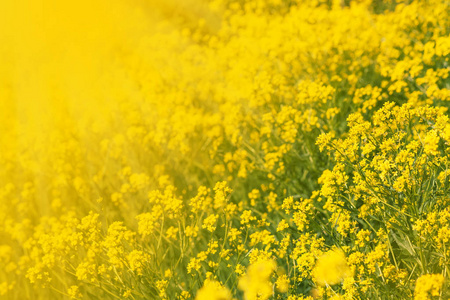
(225, 149)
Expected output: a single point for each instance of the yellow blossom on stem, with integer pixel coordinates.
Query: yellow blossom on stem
(331, 268)
(213, 290)
(428, 286)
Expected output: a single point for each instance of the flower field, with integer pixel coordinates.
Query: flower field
(225, 149)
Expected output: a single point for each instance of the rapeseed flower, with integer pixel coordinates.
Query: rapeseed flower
(428, 286)
(256, 281)
(331, 268)
(213, 290)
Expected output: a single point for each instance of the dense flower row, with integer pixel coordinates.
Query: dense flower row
(270, 150)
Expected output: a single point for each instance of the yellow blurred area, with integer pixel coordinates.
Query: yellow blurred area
(59, 59)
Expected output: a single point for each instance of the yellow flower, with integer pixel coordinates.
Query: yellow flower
(246, 217)
(127, 293)
(283, 283)
(161, 285)
(256, 283)
(213, 290)
(331, 268)
(137, 261)
(210, 222)
(428, 285)
(74, 292)
(431, 143)
(282, 225)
